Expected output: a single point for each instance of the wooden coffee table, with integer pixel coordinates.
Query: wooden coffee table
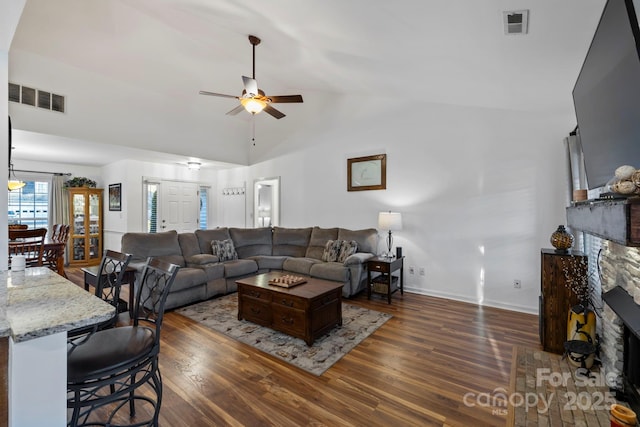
(305, 311)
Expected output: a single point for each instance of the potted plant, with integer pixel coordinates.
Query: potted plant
(80, 181)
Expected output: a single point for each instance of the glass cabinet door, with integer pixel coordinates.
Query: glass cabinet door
(94, 226)
(86, 237)
(78, 206)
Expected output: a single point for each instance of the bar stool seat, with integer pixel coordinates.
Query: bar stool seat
(109, 351)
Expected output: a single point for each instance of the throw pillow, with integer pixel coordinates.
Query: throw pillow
(224, 249)
(331, 250)
(347, 247)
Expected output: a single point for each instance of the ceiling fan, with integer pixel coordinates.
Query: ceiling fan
(253, 99)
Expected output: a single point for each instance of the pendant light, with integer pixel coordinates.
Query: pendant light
(14, 183)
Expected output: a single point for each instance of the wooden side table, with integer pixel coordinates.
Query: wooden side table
(387, 282)
(129, 277)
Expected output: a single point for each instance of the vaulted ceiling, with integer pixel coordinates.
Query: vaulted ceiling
(131, 69)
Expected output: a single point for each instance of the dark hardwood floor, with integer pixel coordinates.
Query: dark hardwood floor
(413, 371)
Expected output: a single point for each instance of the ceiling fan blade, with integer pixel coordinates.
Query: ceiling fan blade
(250, 85)
(235, 110)
(204, 92)
(286, 98)
(275, 113)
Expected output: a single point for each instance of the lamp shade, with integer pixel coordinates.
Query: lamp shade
(391, 221)
(15, 184)
(253, 105)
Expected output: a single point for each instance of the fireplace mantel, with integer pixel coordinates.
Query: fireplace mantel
(615, 220)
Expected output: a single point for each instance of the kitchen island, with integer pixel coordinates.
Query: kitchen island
(37, 308)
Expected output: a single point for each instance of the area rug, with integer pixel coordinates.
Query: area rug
(221, 314)
(547, 390)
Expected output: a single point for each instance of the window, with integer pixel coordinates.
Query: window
(30, 205)
(204, 207)
(152, 207)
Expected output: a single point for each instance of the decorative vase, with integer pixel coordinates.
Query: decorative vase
(581, 326)
(561, 239)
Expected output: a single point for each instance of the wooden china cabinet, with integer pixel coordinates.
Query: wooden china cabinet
(85, 233)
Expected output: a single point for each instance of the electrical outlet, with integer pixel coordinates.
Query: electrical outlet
(412, 270)
(422, 271)
(517, 284)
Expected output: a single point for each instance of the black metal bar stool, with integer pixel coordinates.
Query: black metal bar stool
(113, 367)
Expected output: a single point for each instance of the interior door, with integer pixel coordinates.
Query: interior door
(179, 206)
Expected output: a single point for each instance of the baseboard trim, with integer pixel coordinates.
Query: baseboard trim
(488, 303)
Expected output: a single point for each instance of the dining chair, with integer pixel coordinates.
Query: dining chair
(119, 365)
(29, 243)
(18, 226)
(60, 232)
(55, 247)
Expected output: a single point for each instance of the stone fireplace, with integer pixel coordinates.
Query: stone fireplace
(619, 268)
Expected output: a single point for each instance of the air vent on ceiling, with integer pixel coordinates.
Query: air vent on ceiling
(36, 97)
(516, 22)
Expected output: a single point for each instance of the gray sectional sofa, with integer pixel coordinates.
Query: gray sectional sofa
(298, 251)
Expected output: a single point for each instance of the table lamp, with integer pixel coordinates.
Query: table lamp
(391, 221)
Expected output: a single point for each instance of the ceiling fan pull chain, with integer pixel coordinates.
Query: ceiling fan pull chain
(253, 129)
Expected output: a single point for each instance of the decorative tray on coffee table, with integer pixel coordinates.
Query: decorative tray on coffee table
(287, 281)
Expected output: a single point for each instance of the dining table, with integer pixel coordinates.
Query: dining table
(53, 254)
(37, 308)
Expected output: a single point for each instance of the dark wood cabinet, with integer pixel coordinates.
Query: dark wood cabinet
(306, 311)
(558, 269)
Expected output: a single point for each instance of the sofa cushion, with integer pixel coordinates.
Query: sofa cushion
(143, 245)
(299, 265)
(318, 240)
(251, 241)
(347, 248)
(224, 249)
(201, 259)
(188, 278)
(239, 267)
(188, 244)
(269, 262)
(330, 271)
(173, 259)
(205, 237)
(367, 239)
(331, 250)
(291, 241)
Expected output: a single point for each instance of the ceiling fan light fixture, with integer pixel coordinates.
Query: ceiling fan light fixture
(253, 105)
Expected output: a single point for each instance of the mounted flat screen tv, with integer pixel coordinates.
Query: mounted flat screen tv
(606, 95)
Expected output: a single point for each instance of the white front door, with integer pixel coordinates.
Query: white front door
(179, 206)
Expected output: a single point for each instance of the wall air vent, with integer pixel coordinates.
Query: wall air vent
(36, 98)
(14, 92)
(516, 22)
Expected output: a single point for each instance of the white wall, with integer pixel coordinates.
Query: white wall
(234, 210)
(480, 190)
(10, 12)
(131, 174)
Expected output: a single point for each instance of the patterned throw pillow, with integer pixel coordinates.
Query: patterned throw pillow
(224, 249)
(347, 247)
(331, 250)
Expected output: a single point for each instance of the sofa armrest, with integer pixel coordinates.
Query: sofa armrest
(138, 265)
(358, 258)
(201, 259)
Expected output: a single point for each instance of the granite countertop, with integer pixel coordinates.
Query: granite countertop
(39, 302)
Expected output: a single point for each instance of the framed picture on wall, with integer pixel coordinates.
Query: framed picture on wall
(115, 197)
(367, 173)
